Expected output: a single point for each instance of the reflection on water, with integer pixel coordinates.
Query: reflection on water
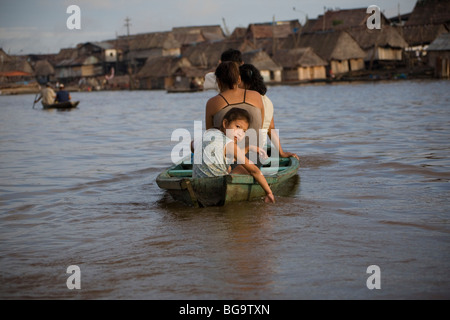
(78, 188)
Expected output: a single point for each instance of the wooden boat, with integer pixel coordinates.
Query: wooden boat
(183, 90)
(217, 191)
(61, 105)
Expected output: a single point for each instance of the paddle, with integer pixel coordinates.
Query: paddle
(35, 97)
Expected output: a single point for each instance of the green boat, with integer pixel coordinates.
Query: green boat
(218, 191)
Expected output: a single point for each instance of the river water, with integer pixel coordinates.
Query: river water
(78, 188)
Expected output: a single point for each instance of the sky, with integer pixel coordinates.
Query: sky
(40, 26)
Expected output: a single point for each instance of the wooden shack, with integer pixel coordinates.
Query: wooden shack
(269, 69)
(429, 19)
(338, 48)
(301, 64)
(44, 71)
(151, 45)
(159, 72)
(385, 44)
(196, 34)
(439, 56)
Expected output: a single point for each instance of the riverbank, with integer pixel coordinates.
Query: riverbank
(424, 73)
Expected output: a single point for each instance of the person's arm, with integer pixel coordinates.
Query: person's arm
(210, 82)
(273, 135)
(253, 170)
(209, 113)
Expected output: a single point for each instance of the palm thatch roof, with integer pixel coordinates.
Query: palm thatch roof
(441, 43)
(416, 35)
(298, 57)
(43, 68)
(238, 33)
(430, 12)
(195, 34)
(261, 60)
(164, 40)
(208, 54)
(385, 37)
(342, 20)
(329, 45)
(14, 64)
(162, 67)
(265, 31)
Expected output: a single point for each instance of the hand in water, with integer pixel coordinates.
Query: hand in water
(269, 198)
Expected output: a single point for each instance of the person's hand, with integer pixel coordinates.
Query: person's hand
(288, 155)
(262, 154)
(269, 198)
(260, 151)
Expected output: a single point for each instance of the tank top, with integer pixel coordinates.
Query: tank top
(255, 113)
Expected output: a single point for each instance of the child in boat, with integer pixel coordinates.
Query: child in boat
(218, 149)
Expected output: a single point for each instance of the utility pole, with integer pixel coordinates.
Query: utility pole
(127, 24)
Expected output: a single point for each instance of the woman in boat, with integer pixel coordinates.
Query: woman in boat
(251, 79)
(231, 96)
(219, 148)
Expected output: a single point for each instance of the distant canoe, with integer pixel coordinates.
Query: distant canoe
(183, 90)
(218, 191)
(62, 105)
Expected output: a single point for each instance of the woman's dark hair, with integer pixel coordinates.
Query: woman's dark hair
(227, 74)
(252, 78)
(231, 55)
(237, 114)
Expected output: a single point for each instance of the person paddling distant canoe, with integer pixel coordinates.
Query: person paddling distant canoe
(62, 95)
(47, 95)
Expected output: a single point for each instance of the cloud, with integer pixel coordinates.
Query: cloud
(23, 40)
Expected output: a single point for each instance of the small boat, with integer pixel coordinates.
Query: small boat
(184, 90)
(218, 191)
(61, 105)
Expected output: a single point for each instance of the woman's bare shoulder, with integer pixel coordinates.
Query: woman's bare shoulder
(254, 97)
(214, 103)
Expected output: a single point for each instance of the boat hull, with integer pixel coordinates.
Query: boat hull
(61, 105)
(217, 191)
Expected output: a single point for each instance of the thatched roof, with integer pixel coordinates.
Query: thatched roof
(299, 57)
(430, 12)
(165, 40)
(261, 60)
(265, 31)
(422, 34)
(309, 25)
(385, 37)
(238, 33)
(14, 64)
(191, 72)
(66, 54)
(342, 20)
(189, 35)
(43, 68)
(331, 45)
(208, 54)
(441, 43)
(78, 61)
(162, 67)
